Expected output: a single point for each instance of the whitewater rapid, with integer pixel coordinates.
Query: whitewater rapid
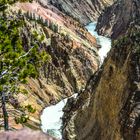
(104, 42)
(51, 116)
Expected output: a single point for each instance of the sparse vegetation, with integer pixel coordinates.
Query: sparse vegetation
(22, 119)
(30, 109)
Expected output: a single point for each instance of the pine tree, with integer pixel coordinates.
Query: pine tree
(16, 64)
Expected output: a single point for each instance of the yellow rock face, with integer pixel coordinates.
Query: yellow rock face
(108, 109)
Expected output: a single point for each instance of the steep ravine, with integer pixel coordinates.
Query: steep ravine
(72, 51)
(108, 108)
(73, 58)
(51, 117)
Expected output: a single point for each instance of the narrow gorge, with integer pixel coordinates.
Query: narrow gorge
(70, 69)
(108, 108)
(53, 123)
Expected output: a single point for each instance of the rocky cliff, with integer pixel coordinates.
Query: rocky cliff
(115, 20)
(24, 134)
(84, 11)
(73, 58)
(108, 108)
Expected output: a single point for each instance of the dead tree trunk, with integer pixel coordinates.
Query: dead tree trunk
(5, 114)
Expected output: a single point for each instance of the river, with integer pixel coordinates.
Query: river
(101, 40)
(51, 116)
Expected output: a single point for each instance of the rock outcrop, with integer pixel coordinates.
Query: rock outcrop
(84, 11)
(115, 20)
(24, 134)
(109, 107)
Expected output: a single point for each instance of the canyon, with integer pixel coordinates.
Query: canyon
(108, 108)
(73, 58)
(52, 124)
(107, 84)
